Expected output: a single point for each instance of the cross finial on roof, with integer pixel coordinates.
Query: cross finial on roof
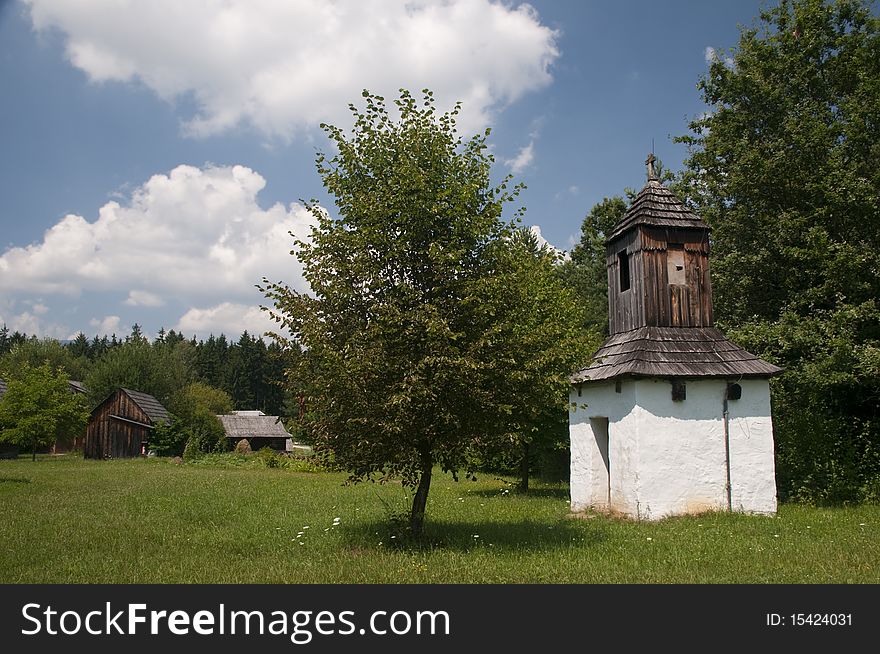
(652, 174)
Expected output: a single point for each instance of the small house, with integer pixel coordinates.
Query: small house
(120, 426)
(669, 417)
(258, 429)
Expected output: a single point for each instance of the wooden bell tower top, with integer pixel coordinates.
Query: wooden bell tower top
(660, 299)
(657, 258)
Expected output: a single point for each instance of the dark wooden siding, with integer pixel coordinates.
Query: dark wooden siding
(626, 309)
(651, 300)
(109, 437)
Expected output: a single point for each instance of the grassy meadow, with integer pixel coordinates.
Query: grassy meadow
(67, 520)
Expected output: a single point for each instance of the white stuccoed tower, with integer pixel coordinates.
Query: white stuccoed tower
(669, 417)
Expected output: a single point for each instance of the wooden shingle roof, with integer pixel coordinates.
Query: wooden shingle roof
(657, 205)
(149, 405)
(253, 426)
(672, 352)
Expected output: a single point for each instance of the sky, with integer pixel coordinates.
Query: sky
(154, 156)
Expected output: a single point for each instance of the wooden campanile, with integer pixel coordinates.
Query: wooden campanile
(658, 264)
(669, 416)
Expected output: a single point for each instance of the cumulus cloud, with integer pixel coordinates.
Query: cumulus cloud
(33, 323)
(226, 318)
(106, 325)
(196, 236)
(283, 66)
(536, 230)
(523, 159)
(143, 299)
(711, 54)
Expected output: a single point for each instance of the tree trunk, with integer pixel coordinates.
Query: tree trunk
(34, 450)
(420, 501)
(524, 469)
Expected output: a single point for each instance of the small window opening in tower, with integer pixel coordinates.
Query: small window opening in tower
(675, 263)
(623, 266)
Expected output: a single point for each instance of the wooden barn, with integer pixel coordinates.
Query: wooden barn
(258, 429)
(669, 417)
(120, 426)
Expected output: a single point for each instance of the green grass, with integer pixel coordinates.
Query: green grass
(66, 520)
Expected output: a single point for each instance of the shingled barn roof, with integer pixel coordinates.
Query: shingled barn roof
(149, 405)
(672, 352)
(658, 206)
(253, 426)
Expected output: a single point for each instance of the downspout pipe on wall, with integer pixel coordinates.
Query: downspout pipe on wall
(726, 416)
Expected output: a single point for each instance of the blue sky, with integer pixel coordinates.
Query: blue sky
(153, 155)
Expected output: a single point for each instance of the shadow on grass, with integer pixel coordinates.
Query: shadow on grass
(552, 493)
(466, 536)
(15, 480)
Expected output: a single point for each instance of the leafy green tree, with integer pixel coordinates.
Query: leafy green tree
(539, 340)
(784, 167)
(402, 332)
(586, 273)
(158, 370)
(38, 408)
(34, 352)
(198, 397)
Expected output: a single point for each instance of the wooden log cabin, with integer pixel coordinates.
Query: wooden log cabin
(120, 426)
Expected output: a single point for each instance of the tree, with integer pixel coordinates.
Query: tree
(538, 339)
(79, 347)
(586, 273)
(784, 168)
(39, 409)
(401, 333)
(194, 412)
(159, 370)
(34, 352)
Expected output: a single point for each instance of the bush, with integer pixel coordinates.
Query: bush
(193, 449)
(169, 438)
(269, 457)
(243, 447)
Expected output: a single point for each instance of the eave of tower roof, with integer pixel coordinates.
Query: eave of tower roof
(658, 206)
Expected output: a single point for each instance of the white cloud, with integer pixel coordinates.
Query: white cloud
(226, 318)
(523, 159)
(195, 236)
(536, 230)
(106, 325)
(283, 66)
(143, 299)
(33, 323)
(711, 54)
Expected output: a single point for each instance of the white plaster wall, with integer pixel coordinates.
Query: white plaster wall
(588, 484)
(681, 466)
(668, 458)
(752, 459)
